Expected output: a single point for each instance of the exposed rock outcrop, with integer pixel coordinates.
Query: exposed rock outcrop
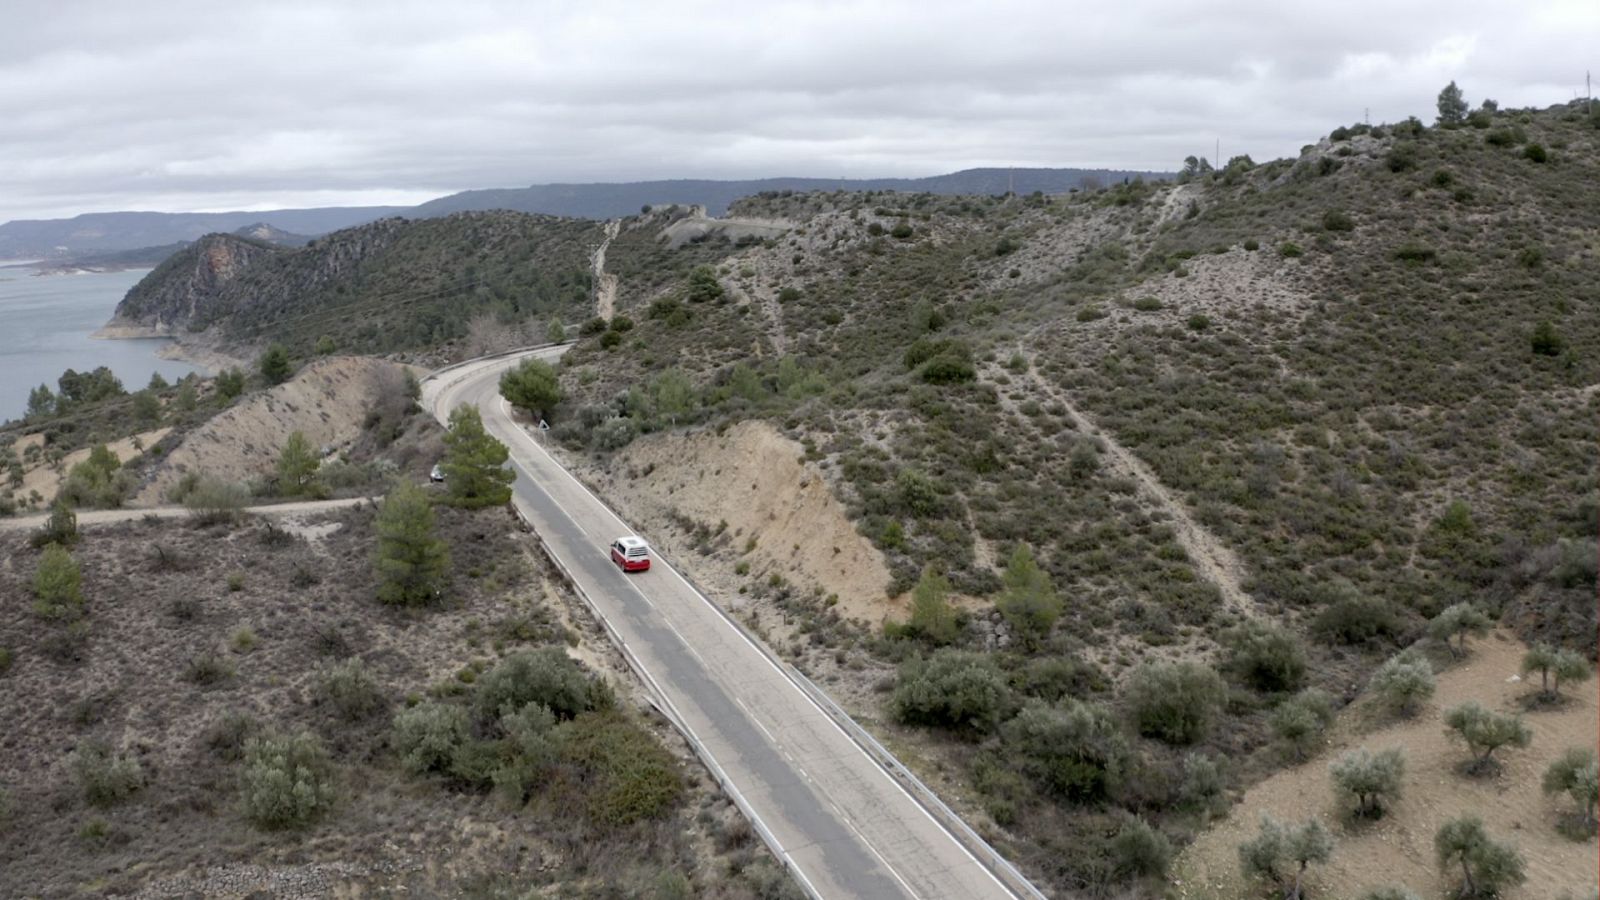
(185, 292)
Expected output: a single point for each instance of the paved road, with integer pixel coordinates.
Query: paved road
(836, 816)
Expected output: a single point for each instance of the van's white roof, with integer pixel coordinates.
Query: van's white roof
(630, 542)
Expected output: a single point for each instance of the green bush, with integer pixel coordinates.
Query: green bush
(623, 774)
(288, 781)
(207, 669)
(533, 386)
(352, 691)
(214, 502)
(1300, 721)
(1546, 341)
(106, 778)
(1266, 657)
(1140, 851)
(226, 737)
(1536, 153)
(1338, 220)
(61, 528)
(1029, 601)
(1486, 867)
(7, 657)
(1074, 750)
(1148, 304)
(953, 689)
(933, 619)
(427, 736)
(1175, 702)
(1358, 620)
(1374, 779)
(545, 677)
(1484, 732)
(1198, 322)
(1290, 250)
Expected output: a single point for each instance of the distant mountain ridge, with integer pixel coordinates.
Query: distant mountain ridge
(116, 231)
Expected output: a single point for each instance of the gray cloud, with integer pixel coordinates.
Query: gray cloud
(189, 105)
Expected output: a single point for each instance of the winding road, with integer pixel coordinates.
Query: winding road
(842, 823)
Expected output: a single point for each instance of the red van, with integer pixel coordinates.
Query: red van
(631, 553)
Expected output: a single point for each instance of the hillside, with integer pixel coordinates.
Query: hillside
(1331, 395)
(102, 232)
(390, 285)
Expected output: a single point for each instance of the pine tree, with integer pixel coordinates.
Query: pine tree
(932, 616)
(1029, 601)
(275, 367)
(57, 585)
(41, 402)
(412, 563)
(474, 463)
(297, 464)
(1452, 106)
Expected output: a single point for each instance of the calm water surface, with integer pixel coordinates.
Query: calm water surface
(45, 323)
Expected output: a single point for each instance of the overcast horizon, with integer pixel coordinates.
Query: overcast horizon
(111, 107)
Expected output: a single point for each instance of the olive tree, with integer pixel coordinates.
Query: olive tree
(1280, 853)
(1403, 683)
(1484, 732)
(1455, 623)
(1486, 867)
(1576, 774)
(1374, 779)
(1554, 666)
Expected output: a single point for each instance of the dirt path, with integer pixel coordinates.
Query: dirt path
(1211, 557)
(605, 286)
(111, 516)
(1398, 849)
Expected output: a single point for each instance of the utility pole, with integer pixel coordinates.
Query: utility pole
(1366, 115)
(1216, 163)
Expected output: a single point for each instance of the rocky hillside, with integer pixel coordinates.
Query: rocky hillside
(1303, 405)
(390, 285)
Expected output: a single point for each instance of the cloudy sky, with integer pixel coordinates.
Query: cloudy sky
(175, 105)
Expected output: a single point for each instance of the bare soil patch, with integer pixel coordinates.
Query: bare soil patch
(328, 401)
(46, 478)
(1398, 849)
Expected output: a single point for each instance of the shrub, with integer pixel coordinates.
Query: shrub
(61, 528)
(287, 781)
(1546, 341)
(352, 691)
(215, 502)
(1390, 893)
(704, 286)
(1074, 750)
(901, 231)
(1577, 774)
(545, 677)
(1198, 322)
(952, 689)
(1403, 683)
(226, 736)
(1300, 720)
(1357, 620)
(274, 365)
(1457, 622)
(297, 465)
(1374, 779)
(1536, 153)
(1175, 702)
(1484, 732)
(1203, 786)
(624, 775)
(1140, 851)
(106, 778)
(1338, 220)
(1486, 867)
(1266, 657)
(57, 585)
(1415, 253)
(208, 669)
(1148, 304)
(426, 736)
(1290, 250)
(7, 657)
(1280, 853)
(1401, 157)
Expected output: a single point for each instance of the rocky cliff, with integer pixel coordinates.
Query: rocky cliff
(184, 292)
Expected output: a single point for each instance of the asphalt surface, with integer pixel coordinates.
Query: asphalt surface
(838, 818)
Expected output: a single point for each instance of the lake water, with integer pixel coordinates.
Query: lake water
(45, 323)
